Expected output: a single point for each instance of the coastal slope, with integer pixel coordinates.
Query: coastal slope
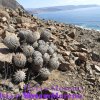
(38, 55)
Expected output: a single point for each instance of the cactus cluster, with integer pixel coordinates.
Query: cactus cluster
(34, 52)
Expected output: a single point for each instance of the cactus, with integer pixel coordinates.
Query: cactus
(19, 60)
(28, 50)
(12, 41)
(46, 35)
(23, 34)
(53, 46)
(55, 55)
(38, 61)
(41, 42)
(43, 48)
(46, 57)
(33, 37)
(44, 73)
(35, 45)
(51, 51)
(30, 60)
(36, 54)
(19, 76)
(54, 63)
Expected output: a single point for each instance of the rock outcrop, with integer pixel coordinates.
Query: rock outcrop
(10, 4)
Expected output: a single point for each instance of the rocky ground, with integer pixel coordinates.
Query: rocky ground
(80, 49)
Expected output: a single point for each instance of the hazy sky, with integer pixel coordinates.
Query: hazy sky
(47, 3)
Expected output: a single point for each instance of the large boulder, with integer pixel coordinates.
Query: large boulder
(5, 54)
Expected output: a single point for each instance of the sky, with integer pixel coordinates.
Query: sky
(49, 3)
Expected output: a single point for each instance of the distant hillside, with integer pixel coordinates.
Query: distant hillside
(10, 4)
(59, 8)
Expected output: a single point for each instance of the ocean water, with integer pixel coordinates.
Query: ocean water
(84, 17)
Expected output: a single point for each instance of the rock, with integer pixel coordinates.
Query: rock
(72, 33)
(18, 26)
(51, 28)
(4, 14)
(80, 62)
(26, 25)
(1, 40)
(19, 20)
(10, 85)
(91, 80)
(1, 31)
(68, 39)
(5, 54)
(21, 85)
(26, 20)
(4, 19)
(7, 83)
(68, 53)
(89, 69)
(13, 13)
(99, 79)
(95, 56)
(64, 53)
(11, 29)
(85, 50)
(66, 58)
(54, 38)
(23, 20)
(64, 44)
(82, 56)
(61, 37)
(97, 68)
(16, 90)
(60, 58)
(64, 66)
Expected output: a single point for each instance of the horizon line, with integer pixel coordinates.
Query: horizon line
(62, 5)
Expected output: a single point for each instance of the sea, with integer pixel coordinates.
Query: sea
(83, 17)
